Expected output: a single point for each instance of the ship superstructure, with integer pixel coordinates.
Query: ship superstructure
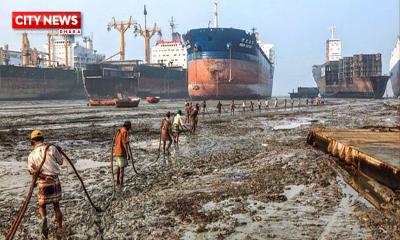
(170, 52)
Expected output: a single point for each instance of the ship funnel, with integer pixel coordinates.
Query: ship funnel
(215, 14)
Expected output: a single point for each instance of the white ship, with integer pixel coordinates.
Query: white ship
(395, 69)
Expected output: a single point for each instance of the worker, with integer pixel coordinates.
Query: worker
(276, 103)
(220, 107)
(49, 191)
(190, 111)
(252, 106)
(187, 115)
(194, 118)
(204, 107)
(177, 127)
(244, 107)
(292, 103)
(266, 104)
(232, 107)
(307, 102)
(259, 105)
(165, 132)
(299, 103)
(121, 151)
(285, 103)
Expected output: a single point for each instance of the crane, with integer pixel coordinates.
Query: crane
(121, 27)
(147, 34)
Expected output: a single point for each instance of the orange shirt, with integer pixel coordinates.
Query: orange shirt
(120, 140)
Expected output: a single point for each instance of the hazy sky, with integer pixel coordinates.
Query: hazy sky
(297, 28)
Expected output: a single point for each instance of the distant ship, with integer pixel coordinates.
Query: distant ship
(31, 82)
(395, 69)
(359, 76)
(165, 77)
(227, 63)
(305, 92)
(132, 78)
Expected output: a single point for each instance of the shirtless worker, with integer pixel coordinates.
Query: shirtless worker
(194, 118)
(190, 111)
(187, 112)
(252, 106)
(121, 151)
(48, 181)
(177, 127)
(232, 107)
(165, 132)
(266, 104)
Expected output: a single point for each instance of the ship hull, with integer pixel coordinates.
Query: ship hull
(227, 64)
(210, 79)
(107, 80)
(395, 79)
(162, 81)
(360, 87)
(30, 83)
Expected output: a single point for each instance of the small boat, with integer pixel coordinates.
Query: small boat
(127, 102)
(152, 99)
(102, 102)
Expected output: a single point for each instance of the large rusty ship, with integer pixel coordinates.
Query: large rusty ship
(30, 81)
(227, 63)
(395, 69)
(359, 76)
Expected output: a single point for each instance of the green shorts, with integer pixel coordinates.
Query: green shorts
(121, 161)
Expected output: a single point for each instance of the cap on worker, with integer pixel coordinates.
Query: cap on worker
(36, 134)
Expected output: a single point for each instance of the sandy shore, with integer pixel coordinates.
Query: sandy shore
(251, 176)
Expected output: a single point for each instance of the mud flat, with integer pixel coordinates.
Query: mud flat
(251, 176)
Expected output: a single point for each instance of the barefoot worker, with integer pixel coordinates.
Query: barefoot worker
(204, 107)
(232, 106)
(219, 108)
(48, 182)
(121, 151)
(177, 126)
(165, 132)
(194, 118)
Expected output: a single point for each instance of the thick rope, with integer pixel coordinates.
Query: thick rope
(22, 211)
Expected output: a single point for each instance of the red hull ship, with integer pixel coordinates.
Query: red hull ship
(151, 99)
(227, 63)
(102, 102)
(127, 102)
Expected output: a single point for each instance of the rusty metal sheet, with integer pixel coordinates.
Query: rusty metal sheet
(374, 152)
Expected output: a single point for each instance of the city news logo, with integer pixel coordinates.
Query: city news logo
(67, 23)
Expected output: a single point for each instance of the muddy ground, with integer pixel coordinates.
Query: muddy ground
(251, 176)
